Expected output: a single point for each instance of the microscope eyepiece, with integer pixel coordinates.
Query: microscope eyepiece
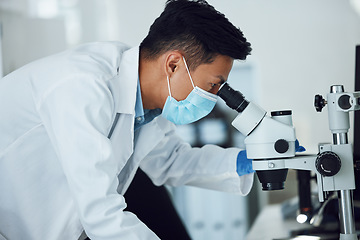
(234, 99)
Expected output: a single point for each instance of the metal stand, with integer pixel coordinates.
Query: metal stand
(334, 164)
(346, 206)
(346, 216)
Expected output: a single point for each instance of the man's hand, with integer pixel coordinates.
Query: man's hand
(243, 164)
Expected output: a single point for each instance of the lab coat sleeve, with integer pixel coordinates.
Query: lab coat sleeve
(77, 114)
(175, 162)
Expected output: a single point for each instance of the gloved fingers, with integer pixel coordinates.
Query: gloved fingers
(299, 148)
(243, 164)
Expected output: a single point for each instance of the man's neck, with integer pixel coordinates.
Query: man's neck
(152, 83)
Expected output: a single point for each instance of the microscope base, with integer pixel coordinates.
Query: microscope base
(348, 236)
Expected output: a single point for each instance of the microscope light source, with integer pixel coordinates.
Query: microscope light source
(301, 218)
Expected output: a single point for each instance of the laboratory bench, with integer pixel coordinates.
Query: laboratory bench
(271, 225)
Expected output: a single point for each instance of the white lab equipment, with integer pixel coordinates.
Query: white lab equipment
(271, 143)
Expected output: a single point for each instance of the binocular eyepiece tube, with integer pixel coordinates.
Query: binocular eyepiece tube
(234, 99)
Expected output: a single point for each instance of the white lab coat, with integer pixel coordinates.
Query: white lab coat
(59, 172)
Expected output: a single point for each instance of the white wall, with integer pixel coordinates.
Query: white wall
(26, 38)
(1, 60)
(300, 47)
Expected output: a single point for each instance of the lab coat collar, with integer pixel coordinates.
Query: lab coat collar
(127, 81)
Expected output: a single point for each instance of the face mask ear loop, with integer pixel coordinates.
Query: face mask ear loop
(168, 82)
(187, 69)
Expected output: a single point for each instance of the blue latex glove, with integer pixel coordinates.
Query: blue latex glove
(243, 164)
(299, 148)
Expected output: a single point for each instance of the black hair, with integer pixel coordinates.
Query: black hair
(197, 30)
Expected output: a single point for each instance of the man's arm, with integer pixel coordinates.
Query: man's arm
(175, 162)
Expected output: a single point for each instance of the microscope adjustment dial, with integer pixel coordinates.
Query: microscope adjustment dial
(281, 146)
(319, 103)
(328, 163)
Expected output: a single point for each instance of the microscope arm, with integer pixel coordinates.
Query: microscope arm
(333, 167)
(303, 162)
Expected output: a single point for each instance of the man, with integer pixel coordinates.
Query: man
(77, 125)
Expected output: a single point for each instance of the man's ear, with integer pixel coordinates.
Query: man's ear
(172, 62)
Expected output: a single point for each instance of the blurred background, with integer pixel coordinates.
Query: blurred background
(300, 48)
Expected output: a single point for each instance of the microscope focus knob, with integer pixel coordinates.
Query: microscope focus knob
(328, 163)
(281, 146)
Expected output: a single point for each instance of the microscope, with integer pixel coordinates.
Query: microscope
(271, 143)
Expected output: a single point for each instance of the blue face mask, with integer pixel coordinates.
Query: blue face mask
(197, 105)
